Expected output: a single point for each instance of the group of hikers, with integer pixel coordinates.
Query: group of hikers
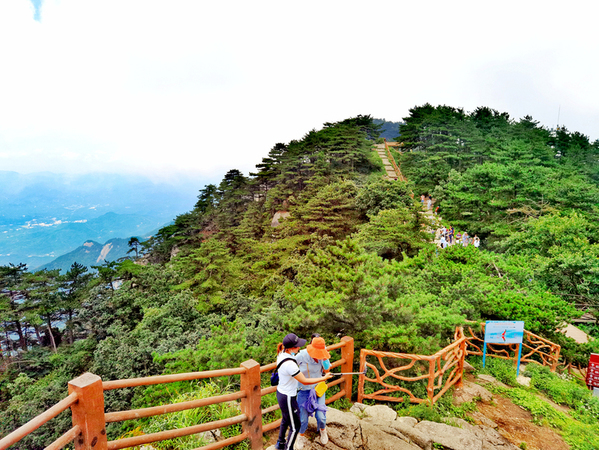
(448, 237)
(299, 392)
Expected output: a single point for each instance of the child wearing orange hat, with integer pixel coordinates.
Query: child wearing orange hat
(313, 362)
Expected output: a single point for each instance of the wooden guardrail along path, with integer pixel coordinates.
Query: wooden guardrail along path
(86, 400)
(441, 371)
(447, 364)
(533, 346)
(391, 167)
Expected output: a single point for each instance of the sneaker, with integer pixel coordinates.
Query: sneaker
(279, 446)
(301, 442)
(324, 437)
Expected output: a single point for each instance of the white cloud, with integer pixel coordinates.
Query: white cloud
(201, 87)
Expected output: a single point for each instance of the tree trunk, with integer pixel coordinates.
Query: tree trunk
(37, 334)
(52, 341)
(71, 337)
(22, 340)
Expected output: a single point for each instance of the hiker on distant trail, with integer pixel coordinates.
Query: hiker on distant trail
(429, 203)
(289, 376)
(476, 241)
(422, 200)
(313, 361)
(465, 239)
(443, 242)
(451, 233)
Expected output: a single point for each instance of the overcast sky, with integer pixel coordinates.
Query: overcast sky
(175, 88)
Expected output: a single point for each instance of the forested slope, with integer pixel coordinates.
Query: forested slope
(221, 285)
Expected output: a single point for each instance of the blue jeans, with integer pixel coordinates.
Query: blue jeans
(321, 418)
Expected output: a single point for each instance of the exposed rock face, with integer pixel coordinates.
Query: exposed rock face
(378, 428)
(277, 217)
(469, 392)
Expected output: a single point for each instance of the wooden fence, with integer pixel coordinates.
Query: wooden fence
(535, 349)
(447, 364)
(86, 400)
(395, 166)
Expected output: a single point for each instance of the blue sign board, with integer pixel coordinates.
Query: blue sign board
(504, 332)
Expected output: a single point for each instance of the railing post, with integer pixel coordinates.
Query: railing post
(459, 334)
(361, 377)
(347, 353)
(557, 349)
(462, 350)
(430, 388)
(88, 412)
(250, 404)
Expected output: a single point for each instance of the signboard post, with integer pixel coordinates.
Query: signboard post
(593, 371)
(504, 332)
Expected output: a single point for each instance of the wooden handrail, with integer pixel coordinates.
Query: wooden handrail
(65, 439)
(160, 379)
(224, 443)
(171, 434)
(37, 422)
(89, 419)
(451, 370)
(395, 166)
(165, 409)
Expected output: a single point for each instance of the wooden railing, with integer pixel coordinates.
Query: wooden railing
(393, 163)
(86, 400)
(447, 364)
(535, 349)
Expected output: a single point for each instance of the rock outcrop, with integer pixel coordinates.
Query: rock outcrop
(378, 428)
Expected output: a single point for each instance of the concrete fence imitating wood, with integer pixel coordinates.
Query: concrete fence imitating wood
(86, 400)
(535, 349)
(441, 371)
(395, 166)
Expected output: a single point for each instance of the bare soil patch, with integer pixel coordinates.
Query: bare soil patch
(515, 423)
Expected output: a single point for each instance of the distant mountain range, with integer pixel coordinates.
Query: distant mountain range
(90, 254)
(46, 215)
(389, 130)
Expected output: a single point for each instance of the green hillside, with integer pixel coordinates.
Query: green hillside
(352, 255)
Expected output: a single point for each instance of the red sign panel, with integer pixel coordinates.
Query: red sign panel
(593, 371)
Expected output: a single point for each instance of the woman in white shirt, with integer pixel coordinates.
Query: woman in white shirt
(289, 376)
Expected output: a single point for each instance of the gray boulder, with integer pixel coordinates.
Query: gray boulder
(450, 437)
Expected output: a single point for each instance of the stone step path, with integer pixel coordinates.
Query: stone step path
(389, 169)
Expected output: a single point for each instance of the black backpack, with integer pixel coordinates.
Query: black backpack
(274, 377)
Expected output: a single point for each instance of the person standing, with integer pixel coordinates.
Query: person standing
(289, 377)
(465, 239)
(429, 203)
(443, 242)
(476, 241)
(451, 233)
(313, 361)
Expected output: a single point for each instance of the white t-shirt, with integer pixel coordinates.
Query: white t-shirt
(289, 369)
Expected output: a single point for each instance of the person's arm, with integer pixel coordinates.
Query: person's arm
(304, 380)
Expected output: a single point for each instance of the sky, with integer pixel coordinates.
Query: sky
(191, 89)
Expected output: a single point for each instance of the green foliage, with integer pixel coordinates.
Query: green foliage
(393, 233)
(195, 416)
(330, 212)
(220, 285)
(379, 194)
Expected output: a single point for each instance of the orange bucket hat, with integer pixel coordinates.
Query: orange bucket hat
(318, 349)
